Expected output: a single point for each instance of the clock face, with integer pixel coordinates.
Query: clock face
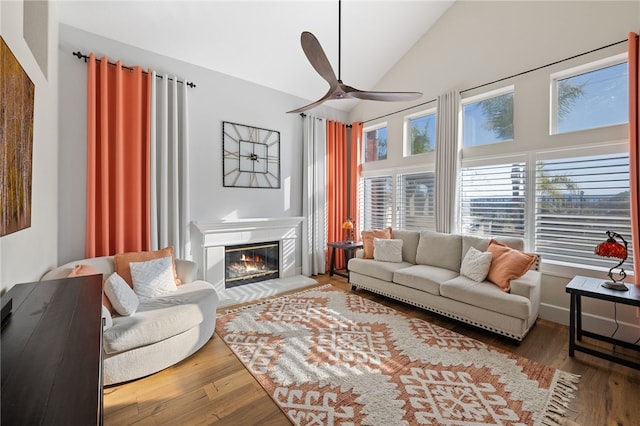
(250, 156)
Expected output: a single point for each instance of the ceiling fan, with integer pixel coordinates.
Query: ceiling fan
(337, 89)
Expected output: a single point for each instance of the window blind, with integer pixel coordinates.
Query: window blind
(376, 202)
(415, 200)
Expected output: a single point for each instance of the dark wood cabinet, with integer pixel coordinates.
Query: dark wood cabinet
(52, 353)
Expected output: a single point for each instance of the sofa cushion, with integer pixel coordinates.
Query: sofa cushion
(375, 269)
(367, 240)
(439, 249)
(423, 277)
(486, 295)
(161, 318)
(507, 264)
(410, 241)
(481, 243)
(387, 250)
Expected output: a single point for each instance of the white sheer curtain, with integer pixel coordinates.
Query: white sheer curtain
(169, 166)
(314, 195)
(447, 161)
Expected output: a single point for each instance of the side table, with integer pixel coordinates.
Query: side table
(348, 248)
(591, 287)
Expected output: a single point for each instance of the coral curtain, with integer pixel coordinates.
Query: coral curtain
(118, 104)
(336, 185)
(169, 166)
(634, 149)
(314, 200)
(354, 170)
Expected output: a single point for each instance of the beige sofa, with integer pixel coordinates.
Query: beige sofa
(429, 277)
(163, 330)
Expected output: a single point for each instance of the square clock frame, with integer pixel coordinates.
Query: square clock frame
(250, 156)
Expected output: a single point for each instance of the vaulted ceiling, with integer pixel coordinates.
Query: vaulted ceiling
(259, 40)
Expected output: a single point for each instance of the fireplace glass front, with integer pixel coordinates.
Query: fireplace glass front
(250, 263)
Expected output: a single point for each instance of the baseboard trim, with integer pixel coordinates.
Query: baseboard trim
(597, 324)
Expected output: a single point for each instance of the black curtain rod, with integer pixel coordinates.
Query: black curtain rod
(79, 55)
(504, 78)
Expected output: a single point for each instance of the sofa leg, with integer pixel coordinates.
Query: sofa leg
(354, 287)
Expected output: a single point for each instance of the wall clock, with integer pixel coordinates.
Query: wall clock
(250, 156)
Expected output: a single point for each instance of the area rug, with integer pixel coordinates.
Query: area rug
(331, 357)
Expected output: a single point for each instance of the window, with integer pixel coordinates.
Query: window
(492, 200)
(420, 133)
(577, 200)
(376, 203)
(375, 144)
(416, 201)
(587, 98)
(488, 118)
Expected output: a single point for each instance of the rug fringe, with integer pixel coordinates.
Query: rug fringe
(564, 387)
(269, 300)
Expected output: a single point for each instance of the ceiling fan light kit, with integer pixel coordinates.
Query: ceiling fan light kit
(337, 89)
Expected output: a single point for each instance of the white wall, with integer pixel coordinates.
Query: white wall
(25, 255)
(216, 98)
(478, 42)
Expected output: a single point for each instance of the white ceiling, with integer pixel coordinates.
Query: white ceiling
(259, 40)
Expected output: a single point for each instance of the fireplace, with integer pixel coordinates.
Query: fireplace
(250, 263)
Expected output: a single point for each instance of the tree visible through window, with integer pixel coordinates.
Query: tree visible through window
(488, 121)
(422, 134)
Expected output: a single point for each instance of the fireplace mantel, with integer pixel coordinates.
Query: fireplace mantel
(211, 237)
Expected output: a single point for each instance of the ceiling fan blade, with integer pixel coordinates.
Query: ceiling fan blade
(316, 56)
(314, 104)
(382, 96)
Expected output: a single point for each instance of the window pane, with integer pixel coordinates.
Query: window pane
(593, 99)
(375, 144)
(423, 134)
(577, 201)
(488, 121)
(492, 200)
(376, 203)
(416, 201)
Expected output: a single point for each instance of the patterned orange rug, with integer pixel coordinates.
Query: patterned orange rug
(330, 357)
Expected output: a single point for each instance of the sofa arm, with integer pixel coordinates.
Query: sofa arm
(186, 270)
(528, 285)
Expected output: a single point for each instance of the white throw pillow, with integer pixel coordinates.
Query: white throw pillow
(476, 264)
(387, 250)
(108, 321)
(153, 278)
(121, 296)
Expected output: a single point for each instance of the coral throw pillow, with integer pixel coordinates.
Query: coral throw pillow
(507, 264)
(122, 261)
(367, 240)
(82, 270)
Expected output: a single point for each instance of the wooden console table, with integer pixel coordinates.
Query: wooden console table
(52, 353)
(591, 287)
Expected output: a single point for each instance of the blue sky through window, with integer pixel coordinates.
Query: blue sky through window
(604, 100)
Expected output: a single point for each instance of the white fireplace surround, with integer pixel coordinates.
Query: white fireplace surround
(211, 237)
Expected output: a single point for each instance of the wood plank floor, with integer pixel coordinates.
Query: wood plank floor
(213, 387)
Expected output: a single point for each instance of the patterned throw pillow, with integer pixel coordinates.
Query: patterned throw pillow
(476, 264)
(387, 250)
(122, 261)
(153, 278)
